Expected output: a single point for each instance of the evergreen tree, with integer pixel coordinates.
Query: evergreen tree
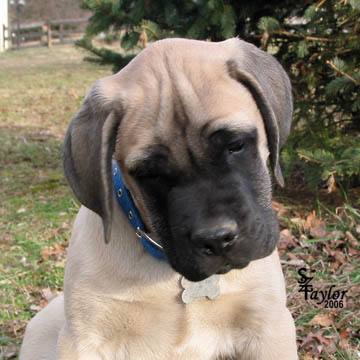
(320, 48)
(143, 21)
(318, 45)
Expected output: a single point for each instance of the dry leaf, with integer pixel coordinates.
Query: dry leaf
(45, 254)
(323, 319)
(310, 220)
(279, 208)
(322, 339)
(47, 294)
(41, 305)
(345, 333)
(285, 240)
(312, 342)
(287, 236)
(35, 307)
(331, 184)
(334, 265)
(56, 251)
(352, 251)
(344, 344)
(336, 235)
(354, 243)
(319, 231)
(293, 256)
(340, 256)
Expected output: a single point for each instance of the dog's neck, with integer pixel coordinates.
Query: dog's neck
(126, 203)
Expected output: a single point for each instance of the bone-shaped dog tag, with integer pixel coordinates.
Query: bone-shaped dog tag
(193, 290)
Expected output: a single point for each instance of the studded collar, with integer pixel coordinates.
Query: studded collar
(126, 203)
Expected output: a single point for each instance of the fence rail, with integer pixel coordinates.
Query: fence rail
(44, 33)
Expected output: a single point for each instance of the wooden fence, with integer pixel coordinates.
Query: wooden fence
(44, 33)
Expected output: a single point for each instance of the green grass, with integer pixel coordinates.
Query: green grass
(40, 91)
(36, 212)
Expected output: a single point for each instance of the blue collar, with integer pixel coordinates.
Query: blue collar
(126, 203)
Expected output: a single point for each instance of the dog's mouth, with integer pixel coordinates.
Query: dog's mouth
(195, 275)
(228, 267)
(195, 265)
(224, 269)
(199, 267)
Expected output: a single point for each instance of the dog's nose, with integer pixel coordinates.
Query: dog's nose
(215, 240)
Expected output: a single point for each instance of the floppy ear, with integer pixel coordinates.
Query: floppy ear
(271, 89)
(87, 151)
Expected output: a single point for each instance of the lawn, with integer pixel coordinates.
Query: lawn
(40, 90)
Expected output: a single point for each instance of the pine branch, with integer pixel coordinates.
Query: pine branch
(308, 158)
(319, 5)
(343, 73)
(347, 19)
(145, 27)
(314, 38)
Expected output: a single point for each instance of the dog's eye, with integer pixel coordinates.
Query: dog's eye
(145, 175)
(152, 177)
(236, 147)
(229, 141)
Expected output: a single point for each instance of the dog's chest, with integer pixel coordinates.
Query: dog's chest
(202, 330)
(206, 342)
(198, 331)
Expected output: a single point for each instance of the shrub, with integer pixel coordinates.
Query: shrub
(319, 46)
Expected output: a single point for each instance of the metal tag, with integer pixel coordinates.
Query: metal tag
(193, 290)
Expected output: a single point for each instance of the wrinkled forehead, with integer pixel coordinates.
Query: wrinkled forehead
(180, 139)
(178, 106)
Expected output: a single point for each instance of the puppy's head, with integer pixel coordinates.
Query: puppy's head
(191, 125)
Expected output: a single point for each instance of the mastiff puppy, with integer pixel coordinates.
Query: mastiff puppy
(173, 253)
